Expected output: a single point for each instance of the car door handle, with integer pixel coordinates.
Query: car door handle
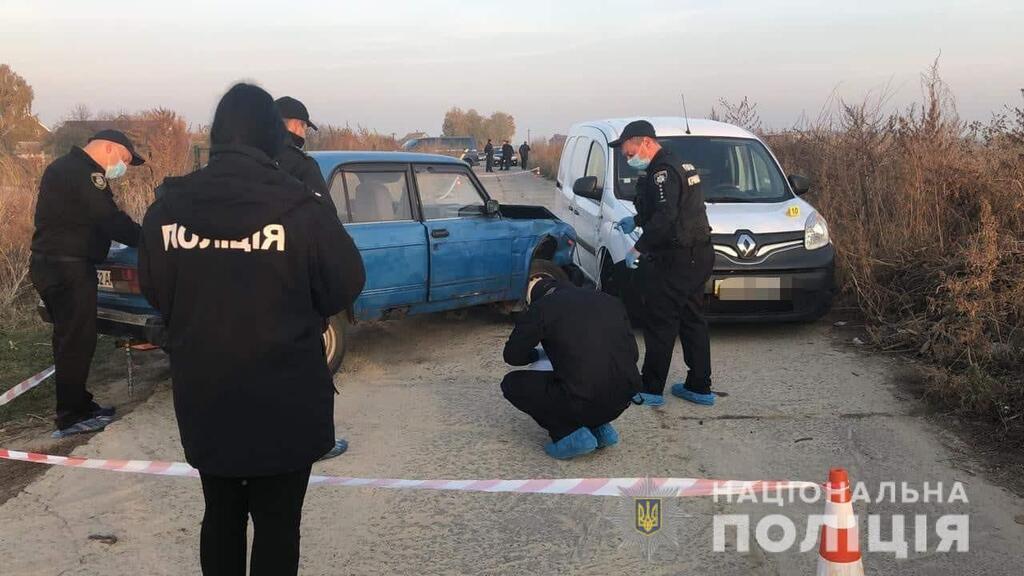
(439, 233)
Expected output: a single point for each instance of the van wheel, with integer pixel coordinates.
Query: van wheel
(334, 341)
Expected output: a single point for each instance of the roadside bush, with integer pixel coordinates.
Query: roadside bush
(345, 138)
(546, 155)
(927, 215)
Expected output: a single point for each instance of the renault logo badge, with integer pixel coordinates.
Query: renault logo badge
(746, 245)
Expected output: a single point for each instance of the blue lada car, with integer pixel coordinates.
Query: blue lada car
(430, 236)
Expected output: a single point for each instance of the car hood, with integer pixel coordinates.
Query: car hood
(788, 216)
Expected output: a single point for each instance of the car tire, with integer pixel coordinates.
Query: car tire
(540, 267)
(334, 339)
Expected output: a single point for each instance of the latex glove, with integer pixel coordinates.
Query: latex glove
(632, 259)
(626, 225)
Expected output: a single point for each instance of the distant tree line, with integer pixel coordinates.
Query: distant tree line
(498, 126)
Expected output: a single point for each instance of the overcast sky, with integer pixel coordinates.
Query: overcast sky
(397, 66)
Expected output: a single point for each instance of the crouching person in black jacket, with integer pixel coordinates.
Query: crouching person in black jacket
(243, 265)
(587, 337)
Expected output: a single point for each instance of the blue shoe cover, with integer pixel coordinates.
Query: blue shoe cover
(578, 443)
(691, 396)
(606, 435)
(340, 446)
(649, 399)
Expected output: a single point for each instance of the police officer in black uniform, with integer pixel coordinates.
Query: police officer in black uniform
(489, 155)
(292, 159)
(675, 258)
(589, 342)
(506, 155)
(243, 264)
(524, 155)
(75, 220)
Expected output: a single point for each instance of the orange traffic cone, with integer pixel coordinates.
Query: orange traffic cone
(839, 553)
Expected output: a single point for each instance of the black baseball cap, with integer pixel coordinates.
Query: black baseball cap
(634, 129)
(292, 108)
(118, 137)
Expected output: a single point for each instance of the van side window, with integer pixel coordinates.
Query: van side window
(597, 163)
(579, 160)
(563, 165)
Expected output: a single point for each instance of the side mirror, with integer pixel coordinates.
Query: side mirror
(799, 183)
(491, 207)
(587, 188)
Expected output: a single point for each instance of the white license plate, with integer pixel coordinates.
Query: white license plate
(103, 278)
(749, 288)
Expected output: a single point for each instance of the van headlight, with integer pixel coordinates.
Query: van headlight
(815, 232)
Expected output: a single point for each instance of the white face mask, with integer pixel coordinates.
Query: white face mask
(117, 170)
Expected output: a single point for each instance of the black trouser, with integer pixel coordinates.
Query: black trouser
(505, 163)
(522, 162)
(68, 290)
(275, 504)
(538, 394)
(673, 288)
(490, 163)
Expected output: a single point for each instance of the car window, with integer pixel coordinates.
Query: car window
(448, 194)
(596, 164)
(371, 196)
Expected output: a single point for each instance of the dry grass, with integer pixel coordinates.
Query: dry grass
(345, 138)
(927, 215)
(546, 155)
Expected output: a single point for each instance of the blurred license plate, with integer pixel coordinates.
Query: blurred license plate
(103, 278)
(749, 288)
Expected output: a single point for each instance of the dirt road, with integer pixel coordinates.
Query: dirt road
(419, 399)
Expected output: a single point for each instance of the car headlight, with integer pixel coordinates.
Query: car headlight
(815, 232)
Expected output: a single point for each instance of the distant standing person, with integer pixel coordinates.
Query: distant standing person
(524, 155)
(293, 159)
(75, 220)
(489, 155)
(506, 155)
(243, 264)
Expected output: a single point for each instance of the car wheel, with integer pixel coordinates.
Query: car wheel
(547, 268)
(334, 342)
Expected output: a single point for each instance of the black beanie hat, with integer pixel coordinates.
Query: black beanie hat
(247, 116)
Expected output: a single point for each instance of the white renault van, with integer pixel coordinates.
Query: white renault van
(773, 256)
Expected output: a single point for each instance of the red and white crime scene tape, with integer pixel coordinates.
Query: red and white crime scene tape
(26, 386)
(534, 171)
(680, 487)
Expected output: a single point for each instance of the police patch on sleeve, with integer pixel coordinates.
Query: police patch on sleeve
(99, 181)
(688, 168)
(660, 177)
(693, 180)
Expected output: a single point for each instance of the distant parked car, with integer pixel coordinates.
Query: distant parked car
(498, 156)
(430, 236)
(471, 156)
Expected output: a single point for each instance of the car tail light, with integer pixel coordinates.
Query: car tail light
(125, 280)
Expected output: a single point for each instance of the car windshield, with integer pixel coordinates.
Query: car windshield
(731, 169)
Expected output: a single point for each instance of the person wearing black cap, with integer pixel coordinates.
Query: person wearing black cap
(588, 340)
(243, 263)
(292, 158)
(75, 220)
(677, 257)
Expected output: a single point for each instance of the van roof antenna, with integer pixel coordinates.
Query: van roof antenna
(686, 117)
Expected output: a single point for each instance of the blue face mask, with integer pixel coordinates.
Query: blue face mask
(117, 170)
(638, 163)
